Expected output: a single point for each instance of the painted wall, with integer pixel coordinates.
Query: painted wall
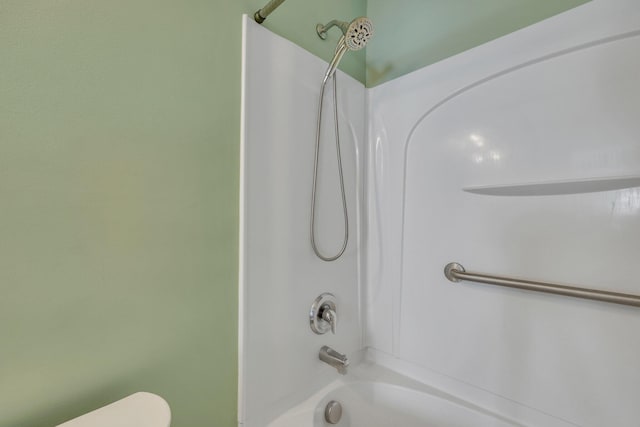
(119, 154)
(411, 34)
(280, 274)
(467, 122)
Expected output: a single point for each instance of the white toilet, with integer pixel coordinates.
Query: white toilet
(138, 410)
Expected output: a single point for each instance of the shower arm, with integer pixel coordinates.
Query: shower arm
(322, 29)
(262, 14)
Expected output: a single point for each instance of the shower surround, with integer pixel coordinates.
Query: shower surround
(280, 276)
(555, 102)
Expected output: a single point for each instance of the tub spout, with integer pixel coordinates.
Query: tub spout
(335, 359)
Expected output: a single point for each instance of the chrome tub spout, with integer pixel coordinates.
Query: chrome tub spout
(334, 359)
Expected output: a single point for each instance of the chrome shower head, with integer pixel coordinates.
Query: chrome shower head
(355, 35)
(357, 32)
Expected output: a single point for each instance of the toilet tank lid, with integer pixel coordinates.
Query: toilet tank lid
(137, 410)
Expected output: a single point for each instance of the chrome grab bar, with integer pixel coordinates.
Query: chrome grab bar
(456, 272)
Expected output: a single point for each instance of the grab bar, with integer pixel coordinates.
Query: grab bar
(456, 272)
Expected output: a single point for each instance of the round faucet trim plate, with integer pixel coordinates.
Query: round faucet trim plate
(317, 322)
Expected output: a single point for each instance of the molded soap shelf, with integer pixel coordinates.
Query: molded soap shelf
(555, 188)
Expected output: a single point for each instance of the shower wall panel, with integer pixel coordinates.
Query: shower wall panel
(454, 148)
(279, 273)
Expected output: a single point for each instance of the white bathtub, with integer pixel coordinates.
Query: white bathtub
(388, 400)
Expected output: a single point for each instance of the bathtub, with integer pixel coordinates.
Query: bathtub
(388, 400)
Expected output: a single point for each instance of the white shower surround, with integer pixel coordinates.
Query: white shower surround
(280, 276)
(560, 117)
(542, 360)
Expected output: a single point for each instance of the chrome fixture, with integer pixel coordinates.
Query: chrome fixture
(355, 36)
(323, 316)
(456, 272)
(335, 359)
(333, 412)
(262, 14)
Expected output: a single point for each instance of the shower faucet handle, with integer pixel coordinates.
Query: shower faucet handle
(323, 315)
(330, 316)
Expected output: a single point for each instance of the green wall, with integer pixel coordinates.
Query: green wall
(119, 152)
(411, 34)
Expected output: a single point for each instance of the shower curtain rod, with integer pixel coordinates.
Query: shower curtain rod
(262, 14)
(455, 273)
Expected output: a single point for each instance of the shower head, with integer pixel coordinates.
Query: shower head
(357, 32)
(355, 35)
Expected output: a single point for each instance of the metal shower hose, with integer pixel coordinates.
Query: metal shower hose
(315, 175)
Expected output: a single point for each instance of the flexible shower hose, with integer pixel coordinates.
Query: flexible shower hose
(315, 175)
